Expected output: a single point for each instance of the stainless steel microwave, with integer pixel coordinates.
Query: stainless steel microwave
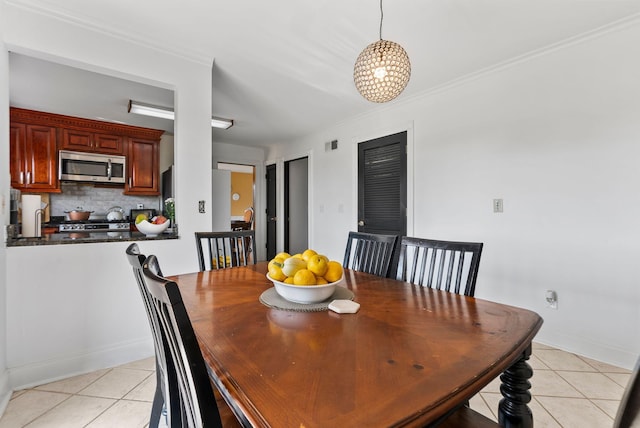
(91, 167)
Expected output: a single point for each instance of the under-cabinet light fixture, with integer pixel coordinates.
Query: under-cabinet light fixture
(167, 113)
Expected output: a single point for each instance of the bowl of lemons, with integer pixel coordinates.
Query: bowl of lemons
(305, 278)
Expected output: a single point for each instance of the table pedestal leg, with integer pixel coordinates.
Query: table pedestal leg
(513, 411)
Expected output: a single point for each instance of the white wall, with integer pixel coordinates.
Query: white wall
(5, 388)
(74, 308)
(556, 136)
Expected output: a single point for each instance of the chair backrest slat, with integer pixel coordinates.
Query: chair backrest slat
(219, 250)
(369, 252)
(443, 265)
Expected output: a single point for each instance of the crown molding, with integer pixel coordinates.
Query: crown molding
(20, 115)
(99, 27)
(617, 25)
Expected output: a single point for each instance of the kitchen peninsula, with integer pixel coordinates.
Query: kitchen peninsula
(86, 237)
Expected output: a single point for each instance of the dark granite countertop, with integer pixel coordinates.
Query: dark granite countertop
(85, 237)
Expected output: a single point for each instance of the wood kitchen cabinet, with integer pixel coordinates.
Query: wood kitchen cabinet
(37, 136)
(85, 141)
(33, 158)
(143, 165)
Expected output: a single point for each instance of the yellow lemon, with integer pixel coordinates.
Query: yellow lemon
(317, 265)
(288, 280)
(141, 217)
(306, 254)
(297, 255)
(275, 272)
(304, 277)
(326, 259)
(321, 281)
(278, 261)
(283, 255)
(334, 271)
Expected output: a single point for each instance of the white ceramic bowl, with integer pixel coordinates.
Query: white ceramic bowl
(151, 229)
(305, 294)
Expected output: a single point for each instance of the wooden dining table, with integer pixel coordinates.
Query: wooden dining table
(409, 357)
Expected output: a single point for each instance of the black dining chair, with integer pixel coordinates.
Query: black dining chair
(218, 250)
(165, 373)
(444, 265)
(628, 415)
(200, 405)
(369, 252)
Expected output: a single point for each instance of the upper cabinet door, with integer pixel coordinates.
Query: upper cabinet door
(18, 151)
(84, 141)
(111, 144)
(76, 140)
(143, 167)
(34, 158)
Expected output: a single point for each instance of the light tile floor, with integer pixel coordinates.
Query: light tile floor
(568, 391)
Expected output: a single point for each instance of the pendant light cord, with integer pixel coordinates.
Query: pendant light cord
(381, 18)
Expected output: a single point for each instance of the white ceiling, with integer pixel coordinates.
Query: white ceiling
(285, 69)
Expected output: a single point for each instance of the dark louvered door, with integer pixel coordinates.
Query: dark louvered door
(382, 185)
(271, 211)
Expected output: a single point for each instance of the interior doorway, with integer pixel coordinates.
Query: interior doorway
(271, 211)
(296, 205)
(241, 195)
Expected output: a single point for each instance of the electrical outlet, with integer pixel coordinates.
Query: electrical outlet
(498, 206)
(201, 207)
(552, 299)
(140, 206)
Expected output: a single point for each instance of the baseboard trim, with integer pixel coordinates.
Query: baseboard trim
(30, 375)
(623, 358)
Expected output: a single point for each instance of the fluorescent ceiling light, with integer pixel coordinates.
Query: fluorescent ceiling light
(167, 113)
(218, 122)
(150, 110)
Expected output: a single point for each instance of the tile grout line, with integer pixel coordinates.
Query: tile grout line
(101, 413)
(118, 400)
(47, 411)
(548, 412)
(79, 394)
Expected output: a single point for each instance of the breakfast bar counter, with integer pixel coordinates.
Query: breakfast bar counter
(85, 237)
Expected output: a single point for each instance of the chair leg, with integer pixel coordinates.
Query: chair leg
(158, 403)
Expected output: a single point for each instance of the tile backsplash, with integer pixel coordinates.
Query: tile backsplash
(97, 199)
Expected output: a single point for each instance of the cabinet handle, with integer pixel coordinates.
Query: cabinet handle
(29, 177)
(21, 177)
